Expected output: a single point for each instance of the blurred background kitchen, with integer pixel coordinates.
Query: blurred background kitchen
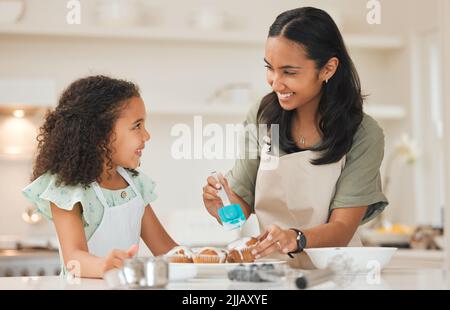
(198, 57)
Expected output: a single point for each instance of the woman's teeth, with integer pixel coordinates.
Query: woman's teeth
(285, 96)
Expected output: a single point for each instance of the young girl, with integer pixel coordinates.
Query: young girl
(85, 177)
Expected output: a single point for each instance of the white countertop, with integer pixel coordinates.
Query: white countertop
(391, 278)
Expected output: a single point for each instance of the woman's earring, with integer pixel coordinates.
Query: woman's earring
(326, 81)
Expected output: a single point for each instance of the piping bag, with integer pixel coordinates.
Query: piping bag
(231, 215)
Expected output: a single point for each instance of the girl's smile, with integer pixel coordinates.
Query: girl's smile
(130, 134)
(138, 152)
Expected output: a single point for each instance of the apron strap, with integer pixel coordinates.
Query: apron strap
(127, 178)
(99, 193)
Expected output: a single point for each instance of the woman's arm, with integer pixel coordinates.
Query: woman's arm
(154, 235)
(337, 232)
(72, 239)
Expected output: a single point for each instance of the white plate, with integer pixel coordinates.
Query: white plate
(219, 270)
(181, 272)
(359, 259)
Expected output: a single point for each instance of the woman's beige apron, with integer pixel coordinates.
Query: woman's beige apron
(293, 193)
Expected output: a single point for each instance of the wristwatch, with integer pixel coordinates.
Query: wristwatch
(301, 242)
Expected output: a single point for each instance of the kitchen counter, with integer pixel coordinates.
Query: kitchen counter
(391, 278)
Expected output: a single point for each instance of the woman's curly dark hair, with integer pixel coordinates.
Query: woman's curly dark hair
(74, 140)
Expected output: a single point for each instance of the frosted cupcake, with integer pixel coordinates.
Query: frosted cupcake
(179, 254)
(209, 255)
(240, 251)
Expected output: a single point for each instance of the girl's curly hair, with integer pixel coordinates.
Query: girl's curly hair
(74, 140)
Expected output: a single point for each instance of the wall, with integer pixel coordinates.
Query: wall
(175, 74)
(444, 30)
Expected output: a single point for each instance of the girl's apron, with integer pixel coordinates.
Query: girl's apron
(120, 227)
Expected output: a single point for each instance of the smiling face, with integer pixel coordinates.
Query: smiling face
(295, 78)
(129, 134)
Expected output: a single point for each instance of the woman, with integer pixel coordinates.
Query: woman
(327, 181)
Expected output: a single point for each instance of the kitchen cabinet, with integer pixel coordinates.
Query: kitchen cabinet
(359, 41)
(29, 263)
(370, 42)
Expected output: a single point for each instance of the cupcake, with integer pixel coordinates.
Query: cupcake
(209, 255)
(240, 251)
(179, 254)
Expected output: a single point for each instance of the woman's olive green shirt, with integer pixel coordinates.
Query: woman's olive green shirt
(358, 185)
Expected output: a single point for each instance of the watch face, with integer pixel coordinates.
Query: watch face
(302, 241)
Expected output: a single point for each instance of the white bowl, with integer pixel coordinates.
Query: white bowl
(354, 258)
(11, 10)
(208, 19)
(440, 241)
(119, 13)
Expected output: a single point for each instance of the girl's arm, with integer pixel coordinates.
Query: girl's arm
(337, 232)
(72, 239)
(154, 235)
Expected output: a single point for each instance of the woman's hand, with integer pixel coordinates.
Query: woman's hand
(116, 257)
(275, 239)
(210, 194)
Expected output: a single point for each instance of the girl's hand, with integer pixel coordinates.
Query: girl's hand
(116, 257)
(275, 239)
(210, 194)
